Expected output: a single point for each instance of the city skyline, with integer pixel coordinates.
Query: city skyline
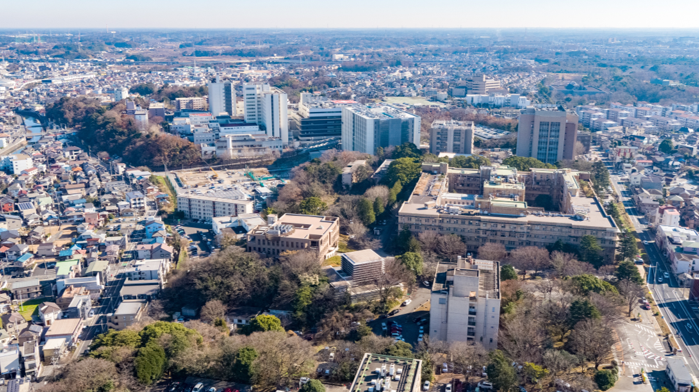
(362, 14)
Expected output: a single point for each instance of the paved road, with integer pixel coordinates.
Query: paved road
(673, 307)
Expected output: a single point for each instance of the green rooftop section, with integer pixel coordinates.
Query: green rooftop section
(63, 267)
(96, 266)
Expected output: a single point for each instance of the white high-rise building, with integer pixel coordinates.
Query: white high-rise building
(121, 93)
(222, 97)
(267, 107)
(366, 128)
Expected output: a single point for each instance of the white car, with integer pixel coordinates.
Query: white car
(485, 385)
(419, 338)
(407, 302)
(666, 275)
(445, 368)
(426, 386)
(447, 388)
(198, 388)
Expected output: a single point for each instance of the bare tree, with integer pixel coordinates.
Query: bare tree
(282, 359)
(357, 229)
(213, 310)
(608, 305)
(579, 149)
(394, 273)
(522, 336)
(529, 258)
(631, 292)
(429, 240)
(492, 251)
(592, 340)
(378, 191)
(560, 361)
(452, 246)
(468, 358)
(565, 264)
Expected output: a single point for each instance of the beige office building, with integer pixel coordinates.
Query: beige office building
(492, 204)
(204, 207)
(193, 103)
(451, 136)
(465, 302)
(547, 135)
(296, 232)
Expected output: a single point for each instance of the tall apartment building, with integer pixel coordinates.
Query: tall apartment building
(547, 135)
(267, 107)
(296, 232)
(451, 136)
(465, 302)
(121, 93)
(191, 103)
(366, 128)
(222, 97)
(204, 207)
(318, 118)
(491, 204)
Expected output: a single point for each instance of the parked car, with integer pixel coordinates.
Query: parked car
(426, 386)
(666, 275)
(447, 388)
(426, 283)
(445, 368)
(660, 279)
(394, 311)
(407, 302)
(485, 385)
(198, 388)
(174, 386)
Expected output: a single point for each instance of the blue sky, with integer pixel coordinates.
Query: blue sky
(348, 14)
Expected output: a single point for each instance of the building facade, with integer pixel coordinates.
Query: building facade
(465, 302)
(241, 145)
(222, 97)
(201, 207)
(547, 135)
(296, 232)
(318, 118)
(366, 128)
(451, 136)
(267, 107)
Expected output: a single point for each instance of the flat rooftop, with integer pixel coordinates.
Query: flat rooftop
(129, 307)
(487, 272)
(397, 374)
(304, 226)
(361, 256)
(382, 112)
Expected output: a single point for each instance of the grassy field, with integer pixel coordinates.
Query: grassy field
(31, 307)
(334, 261)
(166, 187)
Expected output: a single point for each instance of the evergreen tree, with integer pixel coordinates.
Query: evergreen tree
(378, 206)
(366, 212)
(501, 372)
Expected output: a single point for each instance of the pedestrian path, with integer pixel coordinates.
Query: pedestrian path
(641, 365)
(648, 354)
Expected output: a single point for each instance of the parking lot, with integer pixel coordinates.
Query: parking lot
(406, 317)
(203, 241)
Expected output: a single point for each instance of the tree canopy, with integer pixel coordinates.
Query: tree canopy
(666, 146)
(263, 323)
(404, 170)
(526, 163)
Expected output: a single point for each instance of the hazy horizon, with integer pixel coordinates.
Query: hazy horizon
(360, 14)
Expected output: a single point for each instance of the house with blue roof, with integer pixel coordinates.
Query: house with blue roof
(25, 260)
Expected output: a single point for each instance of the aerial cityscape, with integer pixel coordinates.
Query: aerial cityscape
(348, 209)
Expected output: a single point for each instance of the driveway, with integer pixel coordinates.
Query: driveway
(420, 300)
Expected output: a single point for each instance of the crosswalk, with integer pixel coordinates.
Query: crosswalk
(641, 365)
(658, 346)
(648, 354)
(645, 329)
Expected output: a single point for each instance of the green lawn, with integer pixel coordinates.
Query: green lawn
(31, 307)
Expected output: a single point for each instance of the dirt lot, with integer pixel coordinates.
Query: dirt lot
(204, 177)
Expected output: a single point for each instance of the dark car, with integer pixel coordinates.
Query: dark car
(394, 311)
(383, 316)
(175, 386)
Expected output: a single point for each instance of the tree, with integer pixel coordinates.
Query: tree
(626, 270)
(629, 249)
(529, 258)
(452, 246)
(470, 162)
(429, 240)
(582, 309)
(406, 150)
(263, 323)
(585, 284)
(507, 272)
(150, 363)
(400, 349)
(404, 170)
(666, 146)
(366, 212)
(592, 340)
(631, 291)
(500, 372)
(213, 310)
(312, 206)
(492, 251)
(560, 361)
(406, 242)
(591, 251)
(600, 176)
(242, 368)
(526, 163)
(312, 386)
(606, 379)
(412, 261)
(378, 206)
(534, 372)
(90, 374)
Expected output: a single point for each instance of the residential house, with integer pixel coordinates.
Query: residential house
(127, 314)
(149, 270)
(68, 329)
(136, 200)
(70, 293)
(26, 289)
(31, 359)
(140, 289)
(50, 312)
(11, 222)
(100, 267)
(16, 251)
(79, 307)
(32, 332)
(153, 227)
(10, 364)
(47, 249)
(13, 322)
(155, 251)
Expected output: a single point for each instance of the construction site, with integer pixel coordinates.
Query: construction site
(222, 179)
